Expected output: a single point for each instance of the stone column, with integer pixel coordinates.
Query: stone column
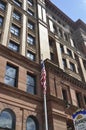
(59, 54)
(24, 27)
(7, 25)
(82, 68)
(43, 31)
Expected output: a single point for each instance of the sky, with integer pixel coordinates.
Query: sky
(75, 9)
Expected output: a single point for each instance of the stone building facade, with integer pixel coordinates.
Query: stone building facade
(31, 30)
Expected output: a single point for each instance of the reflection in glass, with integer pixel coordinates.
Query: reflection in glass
(30, 124)
(10, 77)
(30, 84)
(5, 120)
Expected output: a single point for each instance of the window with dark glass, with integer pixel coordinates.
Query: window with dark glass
(61, 48)
(31, 84)
(69, 52)
(30, 25)
(7, 120)
(31, 56)
(72, 66)
(51, 42)
(30, 40)
(55, 28)
(65, 37)
(64, 63)
(15, 30)
(1, 20)
(17, 3)
(84, 63)
(30, 12)
(85, 99)
(60, 33)
(2, 5)
(16, 15)
(52, 56)
(78, 96)
(30, 2)
(13, 46)
(64, 93)
(11, 75)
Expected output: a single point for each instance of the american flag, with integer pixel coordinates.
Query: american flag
(43, 76)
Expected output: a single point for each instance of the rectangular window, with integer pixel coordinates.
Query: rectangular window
(17, 3)
(1, 21)
(64, 93)
(13, 46)
(16, 16)
(30, 2)
(69, 52)
(52, 56)
(51, 42)
(61, 48)
(85, 99)
(65, 37)
(31, 84)
(31, 56)
(30, 25)
(30, 40)
(15, 30)
(64, 63)
(11, 75)
(72, 66)
(78, 96)
(30, 12)
(2, 5)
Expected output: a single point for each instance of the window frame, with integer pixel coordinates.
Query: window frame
(72, 67)
(31, 85)
(13, 45)
(18, 3)
(31, 13)
(30, 39)
(52, 56)
(34, 120)
(2, 5)
(64, 92)
(31, 25)
(62, 48)
(64, 63)
(78, 97)
(31, 56)
(16, 15)
(69, 52)
(15, 30)
(1, 21)
(30, 2)
(15, 78)
(13, 121)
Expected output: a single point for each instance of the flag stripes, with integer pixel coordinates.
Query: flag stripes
(43, 76)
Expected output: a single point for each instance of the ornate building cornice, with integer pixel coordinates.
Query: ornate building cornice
(55, 69)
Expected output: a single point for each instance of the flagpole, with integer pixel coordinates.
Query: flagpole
(43, 83)
(45, 112)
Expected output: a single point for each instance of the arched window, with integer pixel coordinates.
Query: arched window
(32, 123)
(7, 120)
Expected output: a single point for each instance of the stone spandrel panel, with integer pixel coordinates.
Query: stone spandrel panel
(44, 42)
(59, 124)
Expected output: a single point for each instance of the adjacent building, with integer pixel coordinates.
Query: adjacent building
(31, 30)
